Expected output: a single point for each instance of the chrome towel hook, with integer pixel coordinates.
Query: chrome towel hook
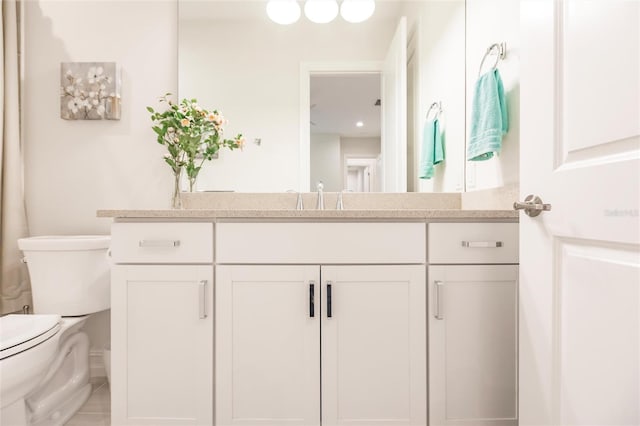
(437, 106)
(497, 49)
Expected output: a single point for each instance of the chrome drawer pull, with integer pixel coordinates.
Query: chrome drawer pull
(159, 243)
(202, 292)
(437, 313)
(481, 244)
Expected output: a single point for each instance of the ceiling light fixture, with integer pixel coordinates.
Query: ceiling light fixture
(356, 11)
(321, 11)
(359, 124)
(283, 12)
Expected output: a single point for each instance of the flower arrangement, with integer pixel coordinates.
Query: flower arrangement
(192, 135)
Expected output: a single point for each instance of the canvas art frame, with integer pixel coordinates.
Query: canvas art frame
(90, 91)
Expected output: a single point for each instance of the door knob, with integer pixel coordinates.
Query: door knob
(532, 205)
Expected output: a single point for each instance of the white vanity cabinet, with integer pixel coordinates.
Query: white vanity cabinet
(162, 324)
(473, 291)
(330, 325)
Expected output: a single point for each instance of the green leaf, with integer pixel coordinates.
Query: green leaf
(150, 110)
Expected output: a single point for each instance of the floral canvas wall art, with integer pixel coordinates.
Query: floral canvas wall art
(89, 91)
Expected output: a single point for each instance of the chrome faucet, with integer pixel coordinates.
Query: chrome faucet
(340, 204)
(320, 203)
(299, 205)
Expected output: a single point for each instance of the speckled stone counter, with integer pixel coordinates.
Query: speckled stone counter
(311, 214)
(407, 206)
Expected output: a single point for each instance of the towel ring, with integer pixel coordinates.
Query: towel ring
(433, 106)
(500, 49)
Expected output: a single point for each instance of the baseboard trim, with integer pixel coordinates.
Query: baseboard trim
(96, 363)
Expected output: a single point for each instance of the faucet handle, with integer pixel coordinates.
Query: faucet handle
(340, 204)
(320, 203)
(299, 204)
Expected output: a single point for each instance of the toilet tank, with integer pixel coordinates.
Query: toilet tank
(70, 275)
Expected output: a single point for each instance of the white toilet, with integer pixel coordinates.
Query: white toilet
(44, 358)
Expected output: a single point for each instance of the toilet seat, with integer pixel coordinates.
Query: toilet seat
(21, 332)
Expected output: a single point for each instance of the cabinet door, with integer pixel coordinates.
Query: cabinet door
(267, 345)
(374, 345)
(473, 345)
(162, 345)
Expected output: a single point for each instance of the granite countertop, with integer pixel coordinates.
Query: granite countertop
(399, 214)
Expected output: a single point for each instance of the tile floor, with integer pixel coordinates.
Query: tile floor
(97, 410)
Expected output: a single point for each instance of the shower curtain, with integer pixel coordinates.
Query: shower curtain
(15, 291)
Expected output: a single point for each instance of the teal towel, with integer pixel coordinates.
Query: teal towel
(489, 120)
(432, 149)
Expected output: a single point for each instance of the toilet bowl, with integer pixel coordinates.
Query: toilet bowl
(70, 278)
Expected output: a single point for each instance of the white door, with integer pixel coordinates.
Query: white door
(394, 113)
(580, 262)
(473, 342)
(267, 345)
(162, 345)
(374, 345)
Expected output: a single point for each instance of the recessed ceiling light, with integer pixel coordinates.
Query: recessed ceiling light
(355, 11)
(283, 12)
(359, 124)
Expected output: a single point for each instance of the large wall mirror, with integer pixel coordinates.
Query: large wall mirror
(341, 103)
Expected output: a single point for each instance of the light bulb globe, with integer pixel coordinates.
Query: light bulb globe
(321, 11)
(356, 11)
(283, 12)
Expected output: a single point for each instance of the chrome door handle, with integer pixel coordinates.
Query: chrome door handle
(437, 313)
(532, 206)
(202, 293)
(481, 244)
(159, 243)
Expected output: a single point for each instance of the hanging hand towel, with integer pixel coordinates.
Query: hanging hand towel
(432, 149)
(489, 120)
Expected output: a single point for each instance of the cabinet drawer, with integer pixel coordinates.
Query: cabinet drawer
(162, 242)
(473, 243)
(246, 242)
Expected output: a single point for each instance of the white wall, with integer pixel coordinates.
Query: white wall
(326, 164)
(441, 56)
(488, 22)
(250, 71)
(73, 168)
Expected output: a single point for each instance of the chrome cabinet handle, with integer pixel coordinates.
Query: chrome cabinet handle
(481, 244)
(202, 293)
(437, 313)
(159, 243)
(532, 205)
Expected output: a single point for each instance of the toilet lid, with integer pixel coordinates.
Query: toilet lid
(21, 332)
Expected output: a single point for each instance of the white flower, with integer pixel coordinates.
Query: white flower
(95, 74)
(68, 73)
(102, 87)
(92, 94)
(100, 110)
(171, 130)
(70, 88)
(79, 81)
(75, 104)
(95, 102)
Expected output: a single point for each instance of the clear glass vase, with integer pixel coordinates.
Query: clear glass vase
(192, 183)
(176, 200)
